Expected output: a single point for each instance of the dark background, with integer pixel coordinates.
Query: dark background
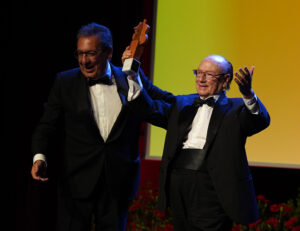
(39, 41)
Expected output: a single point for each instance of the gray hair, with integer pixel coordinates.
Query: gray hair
(102, 32)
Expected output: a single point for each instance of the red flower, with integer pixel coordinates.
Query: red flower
(133, 224)
(297, 228)
(159, 213)
(135, 206)
(286, 208)
(254, 224)
(274, 208)
(290, 223)
(262, 199)
(236, 228)
(145, 194)
(168, 227)
(273, 221)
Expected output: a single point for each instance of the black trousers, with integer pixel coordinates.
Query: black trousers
(195, 204)
(106, 212)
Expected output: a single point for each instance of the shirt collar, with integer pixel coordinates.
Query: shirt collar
(216, 97)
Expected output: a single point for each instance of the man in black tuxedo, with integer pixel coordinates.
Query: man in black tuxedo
(204, 175)
(99, 171)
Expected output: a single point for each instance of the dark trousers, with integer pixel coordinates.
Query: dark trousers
(195, 204)
(105, 211)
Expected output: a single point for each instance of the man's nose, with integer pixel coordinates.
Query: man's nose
(201, 78)
(84, 59)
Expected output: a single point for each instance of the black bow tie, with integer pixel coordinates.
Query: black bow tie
(103, 80)
(198, 102)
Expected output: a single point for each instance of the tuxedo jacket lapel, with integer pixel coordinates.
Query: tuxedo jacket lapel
(122, 88)
(220, 109)
(84, 103)
(189, 111)
(122, 84)
(186, 118)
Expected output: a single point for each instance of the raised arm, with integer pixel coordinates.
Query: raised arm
(256, 117)
(153, 91)
(152, 111)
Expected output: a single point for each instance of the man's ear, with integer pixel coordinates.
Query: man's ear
(109, 53)
(227, 78)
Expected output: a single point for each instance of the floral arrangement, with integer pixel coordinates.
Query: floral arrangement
(143, 214)
(275, 217)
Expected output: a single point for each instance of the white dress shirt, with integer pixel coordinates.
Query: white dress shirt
(196, 137)
(106, 104)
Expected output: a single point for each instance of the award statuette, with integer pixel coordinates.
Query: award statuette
(131, 66)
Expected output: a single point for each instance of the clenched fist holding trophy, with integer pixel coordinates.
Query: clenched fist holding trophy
(131, 65)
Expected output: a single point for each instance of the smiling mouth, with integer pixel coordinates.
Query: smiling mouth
(89, 69)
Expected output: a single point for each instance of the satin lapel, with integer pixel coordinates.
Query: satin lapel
(122, 84)
(82, 92)
(122, 87)
(220, 109)
(84, 102)
(186, 117)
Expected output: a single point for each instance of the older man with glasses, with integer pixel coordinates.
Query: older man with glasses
(204, 175)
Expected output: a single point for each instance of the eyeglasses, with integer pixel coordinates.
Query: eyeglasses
(208, 76)
(88, 54)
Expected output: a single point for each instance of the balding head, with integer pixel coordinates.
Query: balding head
(214, 75)
(224, 64)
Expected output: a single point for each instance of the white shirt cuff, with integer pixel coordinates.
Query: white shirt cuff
(135, 87)
(39, 156)
(252, 105)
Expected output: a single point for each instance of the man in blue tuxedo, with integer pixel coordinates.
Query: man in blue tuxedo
(99, 168)
(204, 175)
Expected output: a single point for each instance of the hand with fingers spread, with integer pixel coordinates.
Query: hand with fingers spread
(38, 171)
(244, 81)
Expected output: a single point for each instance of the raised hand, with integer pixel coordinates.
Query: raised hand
(38, 171)
(244, 81)
(126, 54)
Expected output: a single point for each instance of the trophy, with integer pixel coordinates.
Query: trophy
(131, 66)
